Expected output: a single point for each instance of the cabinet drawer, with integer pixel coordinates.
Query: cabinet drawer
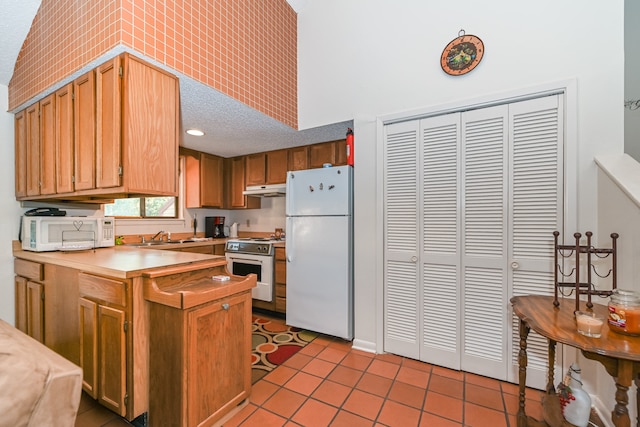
(280, 254)
(199, 250)
(101, 288)
(281, 290)
(29, 269)
(281, 305)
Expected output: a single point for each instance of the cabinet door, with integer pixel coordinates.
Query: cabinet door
(255, 169)
(211, 182)
(237, 182)
(320, 154)
(150, 128)
(112, 382)
(237, 200)
(20, 126)
(340, 147)
(276, 167)
(192, 179)
(108, 119)
(280, 267)
(84, 118)
(48, 145)
(33, 150)
(298, 158)
(218, 352)
(35, 311)
(64, 139)
(89, 346)
(21, 303)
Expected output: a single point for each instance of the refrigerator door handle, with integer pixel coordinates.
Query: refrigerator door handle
(290, 248)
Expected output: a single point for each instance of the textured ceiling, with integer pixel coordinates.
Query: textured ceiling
(16, 17)
(231, 127)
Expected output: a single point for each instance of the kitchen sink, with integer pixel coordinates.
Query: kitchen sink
(158, 243)
(152, 243)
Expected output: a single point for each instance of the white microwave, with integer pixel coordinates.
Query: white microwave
(54, 233)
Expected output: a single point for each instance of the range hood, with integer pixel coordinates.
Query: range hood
(272, 190)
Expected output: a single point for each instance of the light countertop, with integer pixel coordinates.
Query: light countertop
(119, 261)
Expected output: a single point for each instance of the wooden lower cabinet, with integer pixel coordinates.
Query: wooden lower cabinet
(30, 308)
(29, 294)
(199, 361)
(280, 267)
(104, 349)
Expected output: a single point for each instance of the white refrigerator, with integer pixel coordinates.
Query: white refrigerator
(319, 247)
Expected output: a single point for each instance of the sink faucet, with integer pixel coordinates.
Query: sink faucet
(157, 234)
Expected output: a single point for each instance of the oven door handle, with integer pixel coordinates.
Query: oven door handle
(247, 261)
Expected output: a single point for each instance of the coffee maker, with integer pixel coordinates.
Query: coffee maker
(214, 226)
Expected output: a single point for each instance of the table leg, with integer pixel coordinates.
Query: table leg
(620, 413)
(551, 367)
(522, 372)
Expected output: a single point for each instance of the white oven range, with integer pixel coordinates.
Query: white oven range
(253, 255)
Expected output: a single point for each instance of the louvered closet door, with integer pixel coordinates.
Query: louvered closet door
(440, 260)
(401, 278)
(535, 212)
(471, 202)
(484, 241)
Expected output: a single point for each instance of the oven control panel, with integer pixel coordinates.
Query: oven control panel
(250, 248)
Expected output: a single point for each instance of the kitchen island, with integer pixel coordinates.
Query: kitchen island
(90, 307)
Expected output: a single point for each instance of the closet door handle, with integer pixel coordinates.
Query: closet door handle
(414, 259)
(515, 265)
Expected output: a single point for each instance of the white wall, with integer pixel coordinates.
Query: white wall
(632, 77)
(366, 59)
(9, 210)
(267, 219)
(618, 212)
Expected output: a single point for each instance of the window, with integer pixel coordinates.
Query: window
(143, 207)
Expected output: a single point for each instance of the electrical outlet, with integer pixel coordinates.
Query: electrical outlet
(248, 223)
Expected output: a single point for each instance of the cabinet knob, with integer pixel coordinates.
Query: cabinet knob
(225, 306)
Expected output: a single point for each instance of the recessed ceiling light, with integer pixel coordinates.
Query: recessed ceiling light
(195, 132)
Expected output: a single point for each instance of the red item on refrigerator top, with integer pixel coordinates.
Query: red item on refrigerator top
(349, 146)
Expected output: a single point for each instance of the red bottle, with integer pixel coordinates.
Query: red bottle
(349, 146)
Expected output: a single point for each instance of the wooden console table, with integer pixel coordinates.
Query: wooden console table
(619, 354)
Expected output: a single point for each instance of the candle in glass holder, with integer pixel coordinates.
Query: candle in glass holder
(589, 324)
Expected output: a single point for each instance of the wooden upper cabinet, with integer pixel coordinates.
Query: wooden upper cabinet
(276, 169)
(204, 180)
(298, 158)
(111, 133)
(235, 172)
(341, 152)
(266, 168)
(320, 154)
(255, 169)
(150, 129)
(108, 121)
(64, 139)
(48, 145)
(33, 150)
(211, 181)
(84, 119)
(334, 152)
(20, 125)
(237, 184)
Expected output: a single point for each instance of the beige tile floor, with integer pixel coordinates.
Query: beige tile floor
(328, 383)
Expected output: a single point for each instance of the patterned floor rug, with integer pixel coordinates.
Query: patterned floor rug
(273, 343)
